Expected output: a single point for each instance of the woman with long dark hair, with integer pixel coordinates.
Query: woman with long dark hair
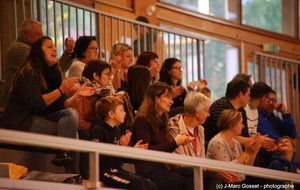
(171, 73)
(150, 125)
(36, 102)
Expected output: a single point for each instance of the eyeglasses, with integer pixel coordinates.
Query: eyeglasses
(177, 68)
(94, 48)
(271, 100)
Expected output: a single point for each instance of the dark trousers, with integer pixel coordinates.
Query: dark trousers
(84, 157)
(119, 178)
(165, 179)
(210, 179)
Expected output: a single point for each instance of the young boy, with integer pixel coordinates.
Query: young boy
(110, 113)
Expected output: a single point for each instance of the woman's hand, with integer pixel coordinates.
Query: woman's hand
(116, 62)
(229, 177)
(142, 146)
(87, 89)
(254, 145)
(177, 91)
(183, 138)
(268, 143)
(67, 85)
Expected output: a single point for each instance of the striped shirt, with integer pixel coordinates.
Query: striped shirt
(210, 125)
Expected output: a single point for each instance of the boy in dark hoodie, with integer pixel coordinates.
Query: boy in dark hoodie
(110, 113)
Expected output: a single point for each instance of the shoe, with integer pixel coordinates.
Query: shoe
(62, 159)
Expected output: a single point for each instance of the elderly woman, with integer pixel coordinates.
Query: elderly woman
(225, 147)
(196, 109)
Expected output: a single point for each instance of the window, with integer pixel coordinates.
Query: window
(221, 65)
(224, 9)
(273, 15)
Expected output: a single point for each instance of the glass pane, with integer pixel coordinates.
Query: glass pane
(272, 15)
(225, 9)
(221, 65)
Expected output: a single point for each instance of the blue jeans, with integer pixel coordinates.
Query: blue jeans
(63, 123)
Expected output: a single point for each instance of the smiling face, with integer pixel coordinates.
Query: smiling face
(50, 52)
(104, 79)
(164, 102)
(91, 52)
(285, 146)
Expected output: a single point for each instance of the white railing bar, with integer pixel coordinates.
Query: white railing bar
(13, 137)
(178, 32)
(37, 185)
(277, 57)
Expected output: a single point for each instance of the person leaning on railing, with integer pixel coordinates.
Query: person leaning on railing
(36, 102)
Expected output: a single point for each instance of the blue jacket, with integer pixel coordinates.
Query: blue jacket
(275, 127)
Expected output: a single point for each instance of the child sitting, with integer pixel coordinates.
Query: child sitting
(110, 113)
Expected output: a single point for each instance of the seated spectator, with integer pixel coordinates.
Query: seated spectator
(171, 73)
(17, 52)
(150, 126)
(120, 60)
(236, 97)
(36, 103)
(110, 113)
(257, 92)
(196, 109)
(226, 148)
(139, 79)
(270, 124)
(151, 62)
(86, 49)
(96, 75)
(285, 160)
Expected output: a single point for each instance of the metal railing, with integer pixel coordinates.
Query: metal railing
(61, 19)
(96, 148)
(282, 75)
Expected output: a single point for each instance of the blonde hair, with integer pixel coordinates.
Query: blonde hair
(119, 48)
(229, 118)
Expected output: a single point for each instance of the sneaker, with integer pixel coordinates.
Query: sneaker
(62, 159)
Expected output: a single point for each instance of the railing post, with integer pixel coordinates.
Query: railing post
(94, 170)
(198, 178)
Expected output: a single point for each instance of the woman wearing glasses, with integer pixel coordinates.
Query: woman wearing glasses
(171, 73)
(86, 49)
